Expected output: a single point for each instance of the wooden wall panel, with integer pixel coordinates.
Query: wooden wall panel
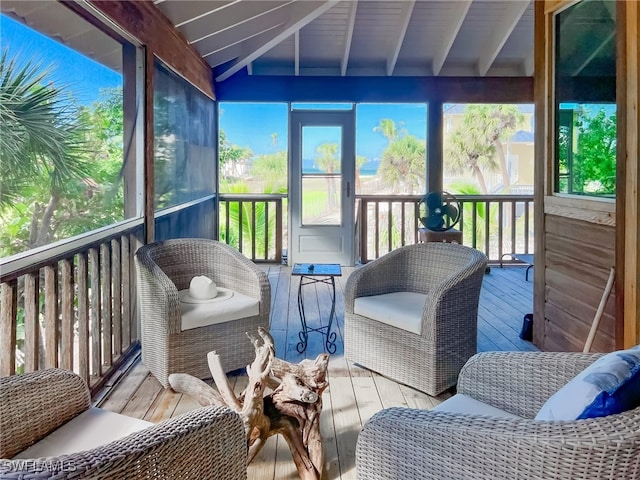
(578, 258)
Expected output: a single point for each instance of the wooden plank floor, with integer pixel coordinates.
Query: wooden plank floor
(354, 394)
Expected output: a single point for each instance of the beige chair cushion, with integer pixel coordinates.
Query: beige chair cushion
(91, 429)
(461, 403)
(196, 315)
(399, 309)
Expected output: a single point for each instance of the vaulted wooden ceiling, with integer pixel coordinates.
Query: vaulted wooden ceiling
(359, 37)
(326, 37)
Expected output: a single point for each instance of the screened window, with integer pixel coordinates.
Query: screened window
(184, 141)
(64, 172)
(488, 148)
(253, 141)
(391, 150)
(585, 66)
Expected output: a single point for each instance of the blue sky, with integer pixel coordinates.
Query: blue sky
(252, 126)
(83, 76)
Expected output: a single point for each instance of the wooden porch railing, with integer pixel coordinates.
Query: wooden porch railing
(71, 305)
(254, 224)
(494, 224)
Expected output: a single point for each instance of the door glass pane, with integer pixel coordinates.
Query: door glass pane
(321, 175)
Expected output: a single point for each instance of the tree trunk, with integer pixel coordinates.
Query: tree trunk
(506, 181)
(481, 181)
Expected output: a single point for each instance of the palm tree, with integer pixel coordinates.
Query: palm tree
(387, 127)
(468, 150)
(271, 169)
(500, 122)
(478, 140)
(41, 142)
(327, 160)
(403, 165)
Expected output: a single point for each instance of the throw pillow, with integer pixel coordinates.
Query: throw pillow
(608, 386)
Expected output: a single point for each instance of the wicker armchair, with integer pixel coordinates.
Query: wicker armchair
(450, 275)
(408, 444)
(205, 443)
(163, 269)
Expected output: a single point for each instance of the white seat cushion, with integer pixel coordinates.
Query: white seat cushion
(90, 429)
(196, 315)
(461, 403)
(399, 309)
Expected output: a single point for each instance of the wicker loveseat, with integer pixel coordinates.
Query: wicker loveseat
(165, 268)
(52, 405)
(437, 285)
(407, 444)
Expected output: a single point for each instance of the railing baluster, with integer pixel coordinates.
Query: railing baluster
(389, 226)
(227, 217)
(32, 321)
(402, 223)
(83, 316)
(364, 232)
(96, 361)
(50, 316)
(267, 234)
(500, 232)
(127, 285)
(279, 232)
(105, 317)
(8, 327)
(526, 226)
(67, 314)
(253, 229)
(116, 314)
(514, 227)
(487, 226)
(240, 212)
(474, 224)
(377, 232)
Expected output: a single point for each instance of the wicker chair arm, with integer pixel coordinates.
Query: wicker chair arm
(158, 295)
(235, 271)
(407, 444)
(520, 382)
(33, 405)
(205, 443)
(453, 300)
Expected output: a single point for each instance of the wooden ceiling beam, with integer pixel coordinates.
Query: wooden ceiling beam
(210, 8)
(296, 53)
(301, 14)
(503, 27)
(348, 37)
(405, 17)
(529, 63)
(455, 23)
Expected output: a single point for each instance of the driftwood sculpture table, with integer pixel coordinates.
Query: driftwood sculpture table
(292, 409)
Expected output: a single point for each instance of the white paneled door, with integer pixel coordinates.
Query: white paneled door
(321, 187)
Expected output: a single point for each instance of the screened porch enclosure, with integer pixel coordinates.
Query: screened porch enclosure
(69, 299)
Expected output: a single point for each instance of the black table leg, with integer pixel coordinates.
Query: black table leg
(331, 336)
(303, 335)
